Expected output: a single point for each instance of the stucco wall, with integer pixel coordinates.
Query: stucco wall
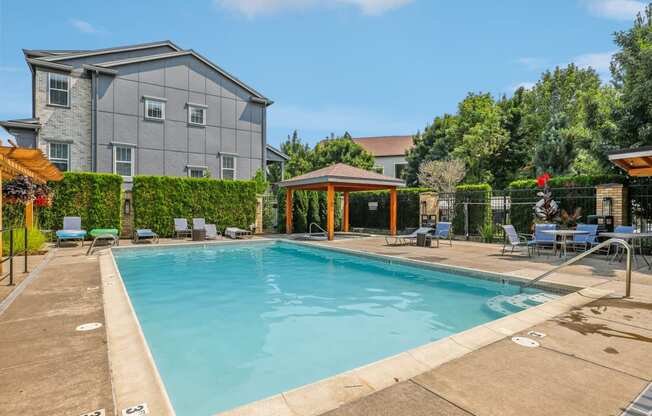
(388, 162)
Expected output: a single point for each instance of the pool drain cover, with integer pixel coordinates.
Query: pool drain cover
(525, 342)
(88, 327)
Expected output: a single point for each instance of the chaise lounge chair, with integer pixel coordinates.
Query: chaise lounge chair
(237, 233)
(444, 231)
(181, 228)
(515, 240)
(145, 234)
(400, 240)
(211, 232)
(71, 230)
(198, 223)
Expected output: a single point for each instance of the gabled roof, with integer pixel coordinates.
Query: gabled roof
(385, 145)
(23, 123)
(344, 175)
(58, 55)
(277, 152)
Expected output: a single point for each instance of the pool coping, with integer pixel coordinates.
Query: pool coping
(329, 393)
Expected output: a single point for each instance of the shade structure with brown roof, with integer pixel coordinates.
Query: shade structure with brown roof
(636, 162)
(341, 178)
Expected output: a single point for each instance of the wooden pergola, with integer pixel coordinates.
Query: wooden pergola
(15, 161)
(341, 178)
(636, 162)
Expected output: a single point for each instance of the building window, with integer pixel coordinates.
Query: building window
(59, 154)
(197, 115)
(196, 172)
(123, 162)
(400, 170)
(58, 89)
(154, 110)
(228, 167)
(379, 169)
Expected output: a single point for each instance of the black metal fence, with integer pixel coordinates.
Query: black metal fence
(12, 253)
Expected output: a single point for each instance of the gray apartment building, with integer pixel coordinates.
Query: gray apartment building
(149, 109)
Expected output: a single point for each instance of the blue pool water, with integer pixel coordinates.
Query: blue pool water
(230, 324)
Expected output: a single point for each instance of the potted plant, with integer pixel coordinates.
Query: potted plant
(19, 190)
(546, 209)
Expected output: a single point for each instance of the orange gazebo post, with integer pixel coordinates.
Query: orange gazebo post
(341, 178)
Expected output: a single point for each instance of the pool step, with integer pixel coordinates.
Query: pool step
(506, 305)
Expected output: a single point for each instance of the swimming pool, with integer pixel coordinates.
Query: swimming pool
(228, 324)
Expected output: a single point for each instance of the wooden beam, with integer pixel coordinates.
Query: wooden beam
(640, 172)
(345, 215)
(29, 215)
(330, 211)
(10, 167)
(392, 211)
(1, 242)
(288, 211)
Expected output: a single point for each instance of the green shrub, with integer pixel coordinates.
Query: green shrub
(35, 241)
(95, 197)
(159, 199)
(570, 181)
(407, 215)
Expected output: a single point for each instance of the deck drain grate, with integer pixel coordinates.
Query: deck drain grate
(98, 412)
(137, 410)
(525, 342)
(88, 327)
(535, 334)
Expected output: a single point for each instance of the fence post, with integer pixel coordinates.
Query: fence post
(466, 220)
(11, 257)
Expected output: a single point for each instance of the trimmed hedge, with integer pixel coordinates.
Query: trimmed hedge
(570, 181)
(95, 197)
(159, 199)
(407, 215)
(479, 198)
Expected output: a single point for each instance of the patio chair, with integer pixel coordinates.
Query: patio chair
(237, 233)
(145, 234)
(406, 239)
(444, 231)
(617, 247)
(543, 239)
(71, 230)
(109, 235)
(515, 240)
(181, 227)
(585, 241)
(211, 232)
(198, 223)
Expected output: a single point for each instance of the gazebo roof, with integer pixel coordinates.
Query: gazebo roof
(344, 177)
(636, 162)
(29, 162)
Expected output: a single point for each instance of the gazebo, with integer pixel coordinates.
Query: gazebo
(15, 161)
(341, 178)
(636, 162)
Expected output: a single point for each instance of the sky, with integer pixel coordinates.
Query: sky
(369, 67)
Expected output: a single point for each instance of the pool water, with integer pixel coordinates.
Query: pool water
(230, 324)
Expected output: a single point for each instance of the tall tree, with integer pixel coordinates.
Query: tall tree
(340, 150)
(554, 152)
(299, 153)
(631, 69)
(435, 143)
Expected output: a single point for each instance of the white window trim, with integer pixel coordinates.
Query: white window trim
(399, 164)
(59, 159)
(203, 111)
(153, 100)
(222, 168)
(56, 89)
(115, 161)
(203, 171)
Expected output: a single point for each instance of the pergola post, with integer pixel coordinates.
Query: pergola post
(1, 242)
(345, 214)
(392, 211)
(288, 211)
(29, 215)
(330, 211)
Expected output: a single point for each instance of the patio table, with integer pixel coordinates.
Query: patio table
(636, 242)
(565, 235)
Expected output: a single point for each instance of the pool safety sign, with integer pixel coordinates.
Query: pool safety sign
(137, 410)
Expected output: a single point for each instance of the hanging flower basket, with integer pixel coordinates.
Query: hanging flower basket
(43, 195)
(19, 190)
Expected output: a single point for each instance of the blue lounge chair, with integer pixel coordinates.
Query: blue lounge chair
(444, 231)
(71, 230)
(145, 234)
(585, 241)
(515, 240)
(619, 229)
(543, 239)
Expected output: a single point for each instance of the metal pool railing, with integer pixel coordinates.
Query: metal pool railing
(12, 253)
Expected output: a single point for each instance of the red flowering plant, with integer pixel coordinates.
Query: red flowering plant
(42, 195)
(546, 209)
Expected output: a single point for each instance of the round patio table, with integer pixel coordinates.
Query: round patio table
(636, 242)
(563, 236)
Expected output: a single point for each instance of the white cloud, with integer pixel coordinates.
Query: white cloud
(600, 62)
(525, 84)
(614, 9)
(531, 62)
(10, 69)
(251, 8)
(84, 26)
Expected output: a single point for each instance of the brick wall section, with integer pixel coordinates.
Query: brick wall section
(618, 194)
(127, 219)
(72, 124)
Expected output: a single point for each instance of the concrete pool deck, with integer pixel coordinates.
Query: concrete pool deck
(594, 359)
